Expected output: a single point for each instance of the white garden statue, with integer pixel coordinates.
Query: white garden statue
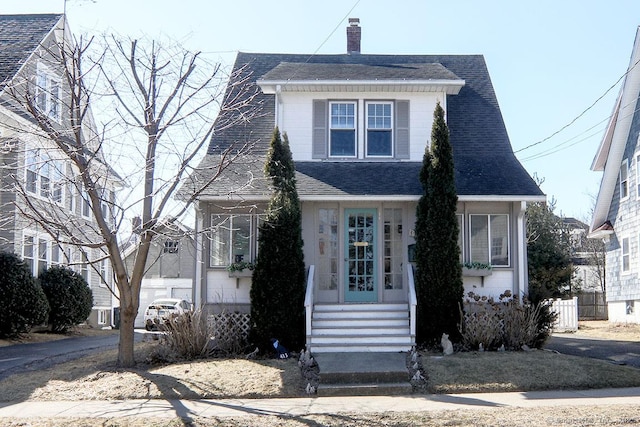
(447, 346)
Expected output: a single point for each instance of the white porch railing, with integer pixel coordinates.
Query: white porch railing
(308, 299)
(567, 310)
(413, 301)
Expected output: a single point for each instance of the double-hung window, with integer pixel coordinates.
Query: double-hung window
(489, 239)
(379, 129)
(233, 239)
(626, 255)
(342, 126)
(624, 179)
(44, 176)
(47, 96)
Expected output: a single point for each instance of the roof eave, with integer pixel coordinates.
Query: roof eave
(450, 87)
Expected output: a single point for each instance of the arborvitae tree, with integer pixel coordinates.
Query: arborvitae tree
(278, 286)
(24, 302)
(439, 273)
(548, 253)
(69, 296)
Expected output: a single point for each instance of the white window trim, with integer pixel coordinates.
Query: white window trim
(50, 76)
(40, 160)
(50, 243)
(624, 166)
(355, 129)
(638, 176)
(460, 218)
(391, 129)
(489, 238)
(623, 254)
(254, 221)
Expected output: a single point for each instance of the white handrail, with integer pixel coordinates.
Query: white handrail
(413, 300)
(308, 299)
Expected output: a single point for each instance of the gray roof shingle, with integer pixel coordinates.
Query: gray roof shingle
(310, 71)
(20, 35)
(484, 161)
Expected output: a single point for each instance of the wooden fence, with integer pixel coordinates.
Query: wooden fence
(592, 306)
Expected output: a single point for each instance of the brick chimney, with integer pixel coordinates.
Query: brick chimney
(353, 35)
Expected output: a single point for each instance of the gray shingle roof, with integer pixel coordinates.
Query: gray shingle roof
(484, 161)
(20, 35)
(310, 71)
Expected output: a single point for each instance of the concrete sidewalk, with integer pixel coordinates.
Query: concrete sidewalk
(158, 408)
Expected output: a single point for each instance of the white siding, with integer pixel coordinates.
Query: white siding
(295, 115)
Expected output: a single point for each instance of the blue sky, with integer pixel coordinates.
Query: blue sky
(549, 60)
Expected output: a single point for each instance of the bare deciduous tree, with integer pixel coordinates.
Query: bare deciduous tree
(159, 103)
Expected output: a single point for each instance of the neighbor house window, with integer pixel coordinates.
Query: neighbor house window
(233, 239)
(44, 176)
(638, 176)
(47, 96)
(85, 208)
(379, 129)
(626, 261)
(624, 179)
(342, 127)
(39, 252)
(489, 239)
(102, 317)
(170, 247)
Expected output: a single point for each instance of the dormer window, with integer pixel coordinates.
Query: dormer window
(47, 94)
(360, 129)
(379, 129)
(343, 129)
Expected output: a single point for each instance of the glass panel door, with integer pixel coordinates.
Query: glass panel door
(361, 255)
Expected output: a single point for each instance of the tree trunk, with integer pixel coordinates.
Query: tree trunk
(125, 346)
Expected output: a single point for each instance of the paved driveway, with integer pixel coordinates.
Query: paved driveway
(619, 352)
(28, 357)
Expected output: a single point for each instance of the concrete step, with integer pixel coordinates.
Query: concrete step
(374, 389)
(362, 374)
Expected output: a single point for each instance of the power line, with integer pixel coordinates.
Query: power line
(582, 113)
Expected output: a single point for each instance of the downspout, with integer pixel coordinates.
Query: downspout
(522, 272)
(278, 107)
(199, 282)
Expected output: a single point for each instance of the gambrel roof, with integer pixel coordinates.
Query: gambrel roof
(20, 36)
(485, 165)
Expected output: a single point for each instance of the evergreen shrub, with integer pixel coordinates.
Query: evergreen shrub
(69, 296)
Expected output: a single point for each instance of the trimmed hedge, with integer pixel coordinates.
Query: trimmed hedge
(69, 295)
(24, 302)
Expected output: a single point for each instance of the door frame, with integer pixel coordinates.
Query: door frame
(362, 296)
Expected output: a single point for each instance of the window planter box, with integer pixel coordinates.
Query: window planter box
(241, 273)
(476, 272)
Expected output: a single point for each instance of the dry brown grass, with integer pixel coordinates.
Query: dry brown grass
(603, 329)
(95, 377)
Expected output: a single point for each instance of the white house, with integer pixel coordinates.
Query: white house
(358, 126)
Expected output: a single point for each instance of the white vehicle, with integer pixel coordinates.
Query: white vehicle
(160, 310)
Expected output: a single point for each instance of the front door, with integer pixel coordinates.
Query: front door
(361, 255)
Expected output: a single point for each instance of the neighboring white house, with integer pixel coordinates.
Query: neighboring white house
(358, 126)
(616, 216)
(170, 265)
(35, 176)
